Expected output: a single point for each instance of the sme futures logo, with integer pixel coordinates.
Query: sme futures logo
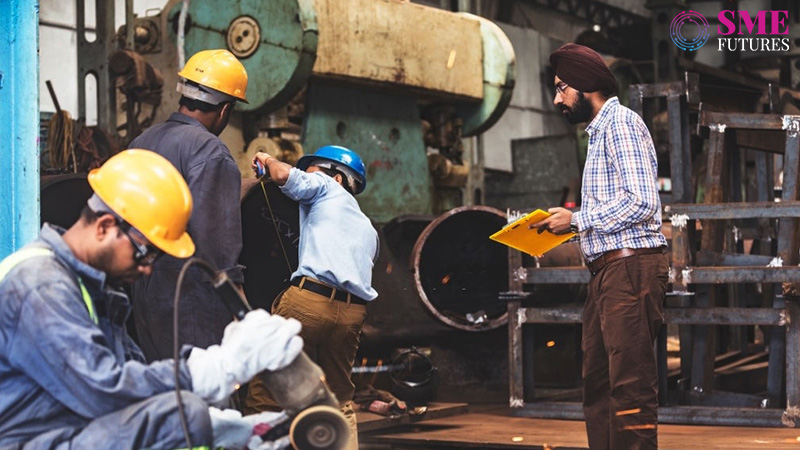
(689, 30)
(738, 30)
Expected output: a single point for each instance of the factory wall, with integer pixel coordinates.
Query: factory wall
(531, 113)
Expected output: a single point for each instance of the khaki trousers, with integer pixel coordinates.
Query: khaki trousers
(331, 334)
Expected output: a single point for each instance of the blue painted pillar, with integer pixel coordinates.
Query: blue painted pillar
(19, 123)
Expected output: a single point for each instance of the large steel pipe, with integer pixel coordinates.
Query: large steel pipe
(270, 236)
(459, 272)
(63, 197)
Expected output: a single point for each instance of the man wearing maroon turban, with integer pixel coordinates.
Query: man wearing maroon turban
(620, 231)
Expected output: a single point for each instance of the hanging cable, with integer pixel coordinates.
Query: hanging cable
(60, 135)
(60, 141)
(277, 231)
(176, 343)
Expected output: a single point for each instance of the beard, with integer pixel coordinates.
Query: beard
(580, 112)
(104, 261)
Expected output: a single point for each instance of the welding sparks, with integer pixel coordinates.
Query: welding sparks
(551, 343)
(446, 279)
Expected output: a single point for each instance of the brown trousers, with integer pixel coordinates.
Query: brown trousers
(621, 319)
(331, 333)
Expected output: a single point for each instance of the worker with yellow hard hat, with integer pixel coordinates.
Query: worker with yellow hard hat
(211, 83)
(69, 373)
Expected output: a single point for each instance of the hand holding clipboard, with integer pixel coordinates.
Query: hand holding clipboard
(522, 236)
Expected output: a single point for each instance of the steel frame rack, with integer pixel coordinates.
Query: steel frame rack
(694, 314)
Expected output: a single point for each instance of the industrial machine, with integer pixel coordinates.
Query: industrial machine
(347, 73)
(406, 86)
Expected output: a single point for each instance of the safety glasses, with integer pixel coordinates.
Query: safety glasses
(561, 88)
(143, 254)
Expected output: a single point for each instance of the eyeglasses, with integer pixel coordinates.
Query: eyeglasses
(143, 254)
(561, 88)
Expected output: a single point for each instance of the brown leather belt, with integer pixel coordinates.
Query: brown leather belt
(309, 284)
(596, 265)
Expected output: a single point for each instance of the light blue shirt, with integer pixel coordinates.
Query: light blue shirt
(338, 244)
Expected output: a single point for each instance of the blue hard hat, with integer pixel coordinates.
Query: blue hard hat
(341, 156)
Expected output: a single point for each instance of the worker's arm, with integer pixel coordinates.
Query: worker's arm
(49, 336)
(278, 170)
(52, 339)
(296, 184)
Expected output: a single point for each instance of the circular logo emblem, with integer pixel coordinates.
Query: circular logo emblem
(689, 23)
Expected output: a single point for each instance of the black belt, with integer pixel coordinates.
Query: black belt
(325, 291)
(597, 265)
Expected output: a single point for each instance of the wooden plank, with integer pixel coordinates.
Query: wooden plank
(401, 44)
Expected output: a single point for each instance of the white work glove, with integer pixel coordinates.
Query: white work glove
(231, 430)
(258, 342)
(257, 444)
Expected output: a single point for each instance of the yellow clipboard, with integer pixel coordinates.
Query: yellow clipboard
(517, 235)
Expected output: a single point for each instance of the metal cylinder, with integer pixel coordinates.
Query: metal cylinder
(459, 272)
(270, 236)
(63, 197)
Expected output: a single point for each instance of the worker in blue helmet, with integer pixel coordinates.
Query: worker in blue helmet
(344, 160)
(333, 282)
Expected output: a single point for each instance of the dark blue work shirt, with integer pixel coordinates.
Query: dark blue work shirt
(216, 228)
(57, 367)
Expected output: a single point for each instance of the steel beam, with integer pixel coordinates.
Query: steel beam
(515, 345)
(680, 152)
(792, 363)
(568, 314)
(731, 259)
(777, 357)
(562, 275)
(93, 61)
(726, 316)
(693, 275)
(693, 415)
(688, 88)
(751, 121)
(740, 210)
(682, 316)
(742, 274)
(787, 230)
(679, 94)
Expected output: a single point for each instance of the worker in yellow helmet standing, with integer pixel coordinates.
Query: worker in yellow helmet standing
(69, 374)
(212, 82)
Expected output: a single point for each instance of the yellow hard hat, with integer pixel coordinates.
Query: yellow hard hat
(148, 192)
(218, 70)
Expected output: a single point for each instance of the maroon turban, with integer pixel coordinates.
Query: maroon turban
(582, 68)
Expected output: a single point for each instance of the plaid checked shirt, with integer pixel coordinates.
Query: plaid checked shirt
(619, 195)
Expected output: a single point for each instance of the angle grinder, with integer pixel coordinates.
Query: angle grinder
(316, 422)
